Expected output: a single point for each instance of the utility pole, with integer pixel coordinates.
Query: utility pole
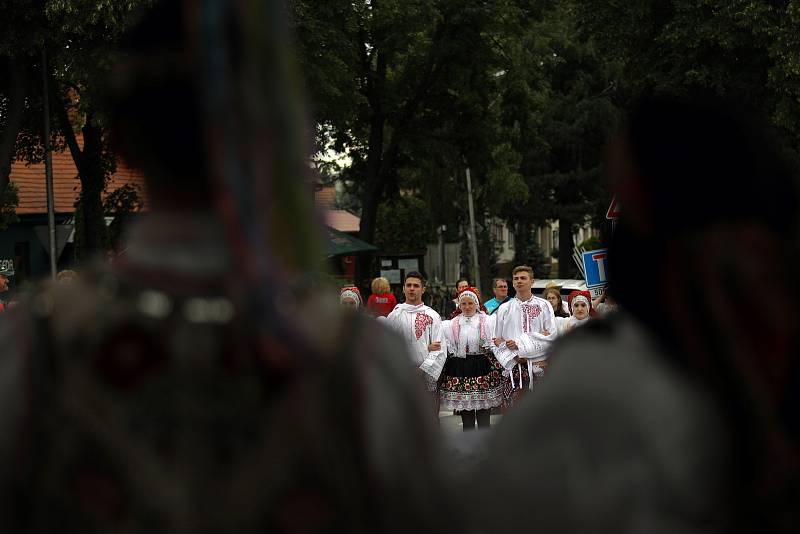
(476, 273)
(442, 267)
(48, 169)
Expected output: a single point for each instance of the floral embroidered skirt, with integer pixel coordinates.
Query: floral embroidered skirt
(471, 383)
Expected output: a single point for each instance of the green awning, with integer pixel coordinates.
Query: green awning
(341, 244)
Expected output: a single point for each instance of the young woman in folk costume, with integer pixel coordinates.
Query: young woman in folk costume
(580, 303)
(472, 379)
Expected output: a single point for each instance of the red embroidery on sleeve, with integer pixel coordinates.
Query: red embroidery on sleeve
(421, 322)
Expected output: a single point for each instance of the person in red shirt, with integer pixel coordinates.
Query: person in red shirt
(382, 301)
(3, 288)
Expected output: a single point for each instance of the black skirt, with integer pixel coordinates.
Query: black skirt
(472, 365)
(471, 383)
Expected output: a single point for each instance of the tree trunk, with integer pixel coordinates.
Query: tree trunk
(92, 176)
(566, 266)
(16, 107)
(373, 184)
(486, 257)
(91, 226)
(522, 237)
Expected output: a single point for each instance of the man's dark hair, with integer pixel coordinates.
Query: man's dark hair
(462, 279)
(415, 274)
(495, 280)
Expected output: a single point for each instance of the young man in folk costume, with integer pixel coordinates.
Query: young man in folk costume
(525, 328)
(421, 328)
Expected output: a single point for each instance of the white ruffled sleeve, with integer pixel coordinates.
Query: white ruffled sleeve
(433, 364)
(504, 355)
(491, 322)
(448, 343)
(534, 345)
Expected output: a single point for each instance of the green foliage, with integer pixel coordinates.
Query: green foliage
(410, 89)
(591, 243)
(743, 50)
(525, 94)
(403, 225)
(528, 252)
(120, 203)
(560, 98)
(9, 201)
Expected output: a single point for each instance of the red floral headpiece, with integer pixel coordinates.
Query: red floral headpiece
(584, 294)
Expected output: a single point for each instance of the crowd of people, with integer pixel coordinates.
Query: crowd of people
(485, 354)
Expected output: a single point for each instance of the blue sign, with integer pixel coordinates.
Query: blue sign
(595, 264)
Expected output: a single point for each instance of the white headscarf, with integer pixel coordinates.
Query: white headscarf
(470, 295)
(350, 293)
(577, 298)
(574, 321)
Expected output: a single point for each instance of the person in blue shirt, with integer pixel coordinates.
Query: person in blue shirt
(500, 288)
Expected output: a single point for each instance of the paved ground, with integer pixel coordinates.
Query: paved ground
(451, 424)
(464, 448)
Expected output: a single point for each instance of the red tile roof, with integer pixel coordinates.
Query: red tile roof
(341, 220)
(344, 221)
(30, 181)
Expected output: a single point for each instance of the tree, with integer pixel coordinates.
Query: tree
(21, 34)
(407, 87)
(742, 50)
(529, 253)
(78, 39)
(401, 225)
(9, 200)
(561, 98)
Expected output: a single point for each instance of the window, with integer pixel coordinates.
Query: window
(497, 232)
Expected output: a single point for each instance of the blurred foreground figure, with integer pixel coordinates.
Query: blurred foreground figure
(202, 383)
(678, 414)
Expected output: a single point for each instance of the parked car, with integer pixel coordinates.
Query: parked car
(567, 286)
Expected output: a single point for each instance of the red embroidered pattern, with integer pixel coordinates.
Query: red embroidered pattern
(529, 313)
(421, 322)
